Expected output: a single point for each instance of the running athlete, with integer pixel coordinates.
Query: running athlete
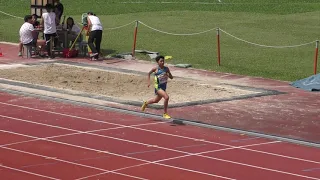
(161, 75)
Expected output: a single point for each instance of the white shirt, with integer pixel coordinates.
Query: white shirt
(49, 23)
(96, 24)
(26, 33)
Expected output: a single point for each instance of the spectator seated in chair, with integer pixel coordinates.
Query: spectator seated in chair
(73, 30)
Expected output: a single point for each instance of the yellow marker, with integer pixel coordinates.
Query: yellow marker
(167, 57)
(89, 50)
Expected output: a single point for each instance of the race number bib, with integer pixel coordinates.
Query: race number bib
(163, 78)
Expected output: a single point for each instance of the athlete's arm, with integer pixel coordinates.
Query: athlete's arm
(169, 74)
(150, 72)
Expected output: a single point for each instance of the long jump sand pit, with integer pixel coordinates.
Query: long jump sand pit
(120, 85)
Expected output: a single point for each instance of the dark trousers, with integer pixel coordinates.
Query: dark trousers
(95, 36)
(48, 41)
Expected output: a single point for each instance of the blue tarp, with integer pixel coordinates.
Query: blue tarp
(311, 83)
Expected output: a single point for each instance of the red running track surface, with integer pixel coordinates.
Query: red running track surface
(52, 140)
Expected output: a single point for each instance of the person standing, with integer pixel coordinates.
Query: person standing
(48, 22)
(95, 35)
(58, 9)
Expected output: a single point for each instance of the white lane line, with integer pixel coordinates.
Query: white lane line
(135, 142)
(68, 162)
(162, 160)
(162, 133)
(64, 135)
(119, 155)
(27, 172)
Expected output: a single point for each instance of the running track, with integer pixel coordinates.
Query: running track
(41, 139)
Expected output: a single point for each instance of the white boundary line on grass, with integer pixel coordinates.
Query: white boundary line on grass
(10, 15)
(186, 2)
(206, 3)
(157, 132)
(169, 149)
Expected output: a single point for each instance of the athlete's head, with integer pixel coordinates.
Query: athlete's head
(160, 60)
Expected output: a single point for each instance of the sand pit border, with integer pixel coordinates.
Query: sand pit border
(261, 92)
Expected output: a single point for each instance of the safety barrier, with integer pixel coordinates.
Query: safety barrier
(266, 46)
(218, 41)
(218, 30)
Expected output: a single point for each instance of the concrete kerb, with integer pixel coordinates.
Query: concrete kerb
(262, 92)
(131, 102)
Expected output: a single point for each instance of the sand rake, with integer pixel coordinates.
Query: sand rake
(70, 52)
